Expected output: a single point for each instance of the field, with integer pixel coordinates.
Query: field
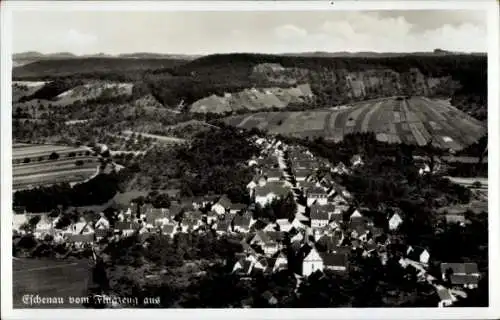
(48, 278)
(33, 166)
(417, 120)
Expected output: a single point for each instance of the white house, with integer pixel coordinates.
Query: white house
(82, 227)
(395, 221)
(102, 223)
(319, 216)
(418, 254)
(269, 192)
(280, 263)
(222, 205)
(356, 160)
(311, 263)
(18, 220)
(284, 224)
(44, 226)
(317, 195)
(356, 214)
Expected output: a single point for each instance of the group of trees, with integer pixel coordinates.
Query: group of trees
(213, 162)
(44, 199)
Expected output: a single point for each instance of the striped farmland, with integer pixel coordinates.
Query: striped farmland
(414, 121)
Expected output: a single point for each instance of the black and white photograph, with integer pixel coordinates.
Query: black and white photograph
(248, 159)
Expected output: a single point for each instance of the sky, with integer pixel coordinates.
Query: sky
(90, 32)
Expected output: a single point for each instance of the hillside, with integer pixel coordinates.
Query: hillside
(333, 80)
(418, 120)
(254, 99)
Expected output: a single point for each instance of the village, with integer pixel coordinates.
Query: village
(325, 229)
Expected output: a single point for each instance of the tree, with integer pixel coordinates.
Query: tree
(79, 163)
(54, 156)
(26, 160)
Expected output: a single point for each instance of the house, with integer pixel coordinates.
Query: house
(269, 192)
(273, 175)
(270, 242)
(222, 205)
(306, 185)
(319, 216)
(169, 229)
(80, 240)
(241, 223)
(356, 160)
(18, 220)
(329, 243)
(301, 175)
(446, 298)
(312, 262)
(458, 218)
(82, 227)
(356, 215)
(335, 261)
(237, 207)
(101, 233)
(418, 254)
(327, 181)
(359, 229)
(269, 298)
(125, 227)
(174, 212)
(461, 274)
(243, 267)
(340, 169)
(102, 223)
(222, 227)
(212, 217)
(280, 262)
(316, 195)
(303, 164)
(424, 169)
(284, 225)
(189, 224)
(395, 221)
(44, 226)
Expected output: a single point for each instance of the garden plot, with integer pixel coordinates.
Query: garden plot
(369, 115)
(419, 137)
(354, 115)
